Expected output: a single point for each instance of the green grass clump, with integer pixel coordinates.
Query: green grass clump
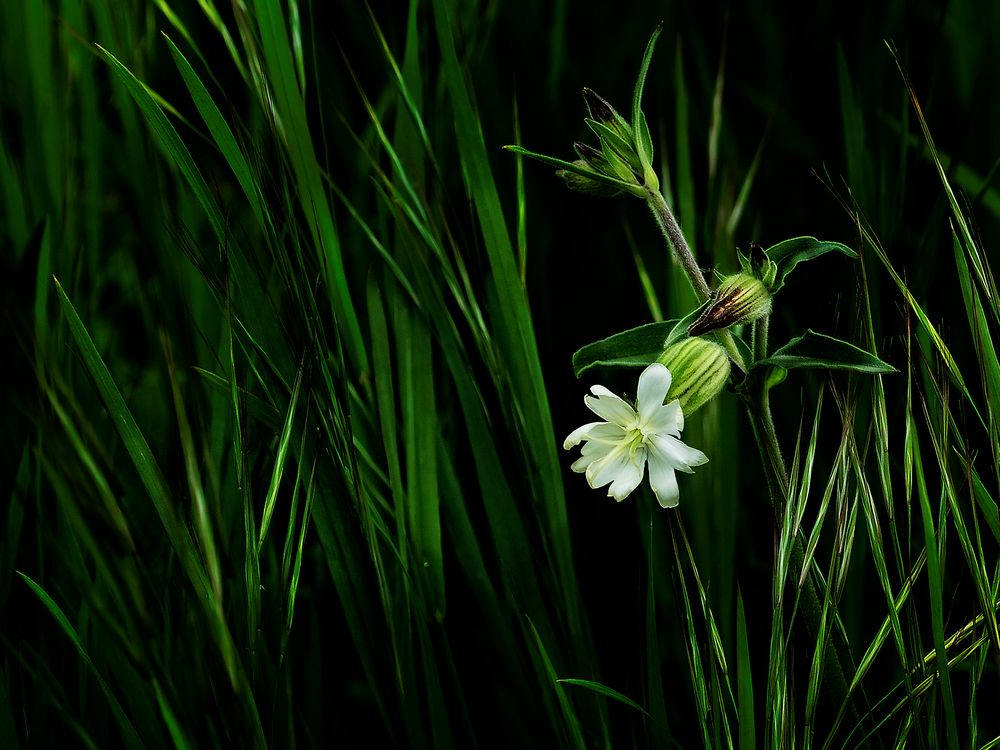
(289, 350)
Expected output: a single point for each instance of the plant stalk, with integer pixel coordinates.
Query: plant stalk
(759, 410)
(810, 604)
(760, 329)
(675, 237)
(682, 252)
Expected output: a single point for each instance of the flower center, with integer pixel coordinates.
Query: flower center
(635, 439)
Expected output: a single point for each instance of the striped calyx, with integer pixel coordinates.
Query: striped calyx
(739, 299)
(699, 368)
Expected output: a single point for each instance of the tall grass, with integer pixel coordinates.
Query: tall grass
(289, 346)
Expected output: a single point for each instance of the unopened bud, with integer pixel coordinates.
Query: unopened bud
(739, 299)
(581, 184)
(763, 267)
(604, 113)
(699, 369)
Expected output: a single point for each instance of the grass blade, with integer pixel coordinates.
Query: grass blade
(156, 487)
(129, 733)
(168, 140)
(744, 679)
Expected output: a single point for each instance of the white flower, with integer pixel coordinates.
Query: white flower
(617, 449)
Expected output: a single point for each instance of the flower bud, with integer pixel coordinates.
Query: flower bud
(581, 184)
(605, 114)
(740, 298)
(619, 152)
(699, 368)
(762, 267)
(604, 162)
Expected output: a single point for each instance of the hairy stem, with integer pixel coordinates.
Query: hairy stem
(760, 327)
(672, 231)
(682, 252)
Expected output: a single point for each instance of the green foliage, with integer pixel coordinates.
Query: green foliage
(637, 347)
(788, 254)
(286, 391)
(817, 350)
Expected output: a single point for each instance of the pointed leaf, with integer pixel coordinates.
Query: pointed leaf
(604, 690)
(680, 331)
(636, 347)
(637, 119)
(790, 253)
(744, 680)
(221, 132)
(128, 731)
(571, 167)
(817, 350)
(153, 480)
(168, 140)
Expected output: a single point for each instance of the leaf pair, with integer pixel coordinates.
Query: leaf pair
(640, 346)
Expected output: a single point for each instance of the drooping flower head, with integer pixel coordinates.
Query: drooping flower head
(617, 450)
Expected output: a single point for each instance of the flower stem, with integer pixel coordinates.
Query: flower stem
(672, 231)
(682, 252)
(759, 409)
(760, 327)
(810, 604)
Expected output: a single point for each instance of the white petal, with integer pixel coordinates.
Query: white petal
(663, 480)
(599, 447)
(667, 419)
(605, 432)
(679, 455)
(591, 452)
(615, 463)
(626, 481)
(610, 407)
(580, 433)
(653, 386)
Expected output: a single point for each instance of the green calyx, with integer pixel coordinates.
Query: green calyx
(618, 157)
(758, 264)
(740, 298)
(699, 370)
(587, 185)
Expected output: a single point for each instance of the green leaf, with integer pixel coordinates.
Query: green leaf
(817, 350)
(604, 690)
(128, 731)
(636, 347)
(775, 376)
(642, 140)
(680, 331)
(575, 168)
(936, 590)
(288, 112)
(640, 346)
(279, 462)
(644, 147)
(571, 723)
(169, 141)
(987, 505)
(790, 253)
(742, 346)
(222, 134)
(159, 493)
(744, 681)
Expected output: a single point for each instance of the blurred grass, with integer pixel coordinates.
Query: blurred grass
(281, 444)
